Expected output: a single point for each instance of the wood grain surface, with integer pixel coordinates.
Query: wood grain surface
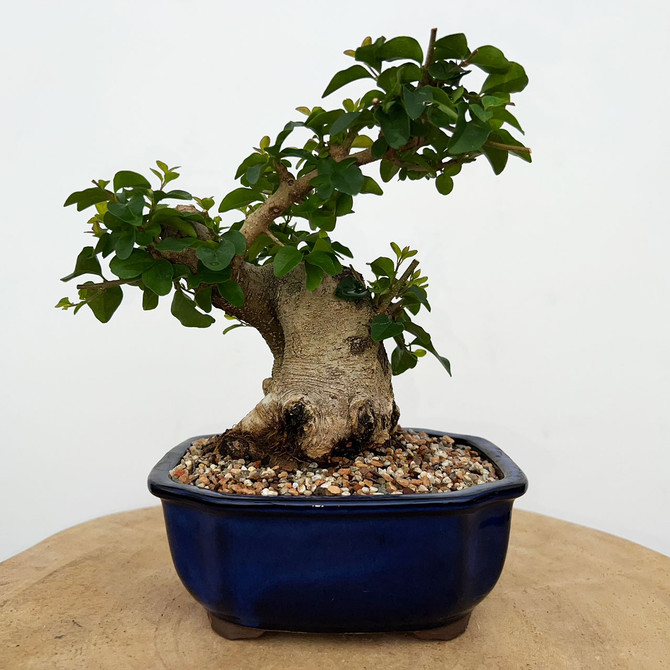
(105, 595)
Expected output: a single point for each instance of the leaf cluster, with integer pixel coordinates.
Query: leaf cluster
(398, 293)
(135, 227)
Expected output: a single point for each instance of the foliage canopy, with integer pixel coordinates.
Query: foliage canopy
(418, 120)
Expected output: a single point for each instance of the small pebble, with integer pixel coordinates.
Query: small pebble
(410, 463)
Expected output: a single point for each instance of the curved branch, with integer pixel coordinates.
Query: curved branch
(101, 286)
(292, 191)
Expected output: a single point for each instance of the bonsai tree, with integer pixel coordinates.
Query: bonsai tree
(269, 258)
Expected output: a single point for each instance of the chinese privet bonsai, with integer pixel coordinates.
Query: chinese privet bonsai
(275, 265)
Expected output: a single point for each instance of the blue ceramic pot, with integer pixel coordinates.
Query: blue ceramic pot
(415, 563)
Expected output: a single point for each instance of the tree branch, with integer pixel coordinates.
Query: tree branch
(397, 286)
(289, 193)
(507, 147)
(430, 54)
(101, 286)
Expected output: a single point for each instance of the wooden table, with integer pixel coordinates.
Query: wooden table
(105, 595)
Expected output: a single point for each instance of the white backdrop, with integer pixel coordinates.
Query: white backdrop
(549, 284)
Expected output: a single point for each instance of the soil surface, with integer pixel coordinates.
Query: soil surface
(410, 463)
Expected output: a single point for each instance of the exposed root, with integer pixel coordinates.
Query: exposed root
(298, 431)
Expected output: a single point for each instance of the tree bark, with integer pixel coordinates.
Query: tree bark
(330, 387)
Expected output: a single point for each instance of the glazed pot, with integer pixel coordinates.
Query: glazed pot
(418, 562)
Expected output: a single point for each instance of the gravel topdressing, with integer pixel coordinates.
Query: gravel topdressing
(410, 463)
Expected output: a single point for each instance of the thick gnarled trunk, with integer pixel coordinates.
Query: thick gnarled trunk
(331, 383)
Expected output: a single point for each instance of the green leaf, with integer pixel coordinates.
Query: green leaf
(445, 71)
(424, 340)
(368, 53)
(489, 101)
(512, 81)
(490, 59)
(285, 260)
(388, 170)
(205, 203)
(452, 169)
(313, 276)
(175, 244)
(344, 203)
(394, 125)
(239, 198)
(184, 309)
(235, 325)
(218, 258)
(238, 240)
(371, 186)
(401, 48)
(381, 286)
(507, 117)
(416, 101)
(362, 142)
(87, 197)
(128, 179)
(203, 299)
(287, 130)
(444, 184)
(391, 80)
(159, 277)
(344, 77)
(479, 113)
(452, 46)
(342, 250)
(232, 292)
(253, 174)
(320, 120)
(325, 261)
(470, 137)
(497, 158)
(325, 221)
(402, 360)
(149, 300)
(383, 267)
(105, 302)
(343, 122)
(86, 263)
(205, 276)
(347, 179)
(249, 161)
(64, 303)
(382, 328)
(129, 212)
(133, 266)
(180, 270)
(379, 148)
(177, 194)
(291, 152)
(106, 242)
(418, 294)
(350, 288)
(125, 243)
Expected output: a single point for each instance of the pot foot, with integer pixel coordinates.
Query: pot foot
(233, 631)
(448, 632)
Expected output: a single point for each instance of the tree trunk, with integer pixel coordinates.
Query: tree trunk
(331, 383)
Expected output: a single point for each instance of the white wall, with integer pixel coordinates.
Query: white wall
(549, 283)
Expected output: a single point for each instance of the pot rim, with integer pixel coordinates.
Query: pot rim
(512, 485)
